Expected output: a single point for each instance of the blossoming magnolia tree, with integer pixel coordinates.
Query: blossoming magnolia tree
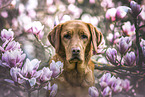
(25, 74)
(121, 53)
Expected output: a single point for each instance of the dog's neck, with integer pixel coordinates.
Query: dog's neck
(79, 76)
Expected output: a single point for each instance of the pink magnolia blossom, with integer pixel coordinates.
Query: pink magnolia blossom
(36, 28)
(116, 85)
(129, 59)
(107, 92)
(7, 35)
(124, 45)
(44, 74)
(107, 4)
(12, 45)
(111, 14)
(56, 67)
(135, 8)
(13, 58)
(53, 90)
(92, 1)
(121, 12)
(4, 14)
(14, 72)
(111, 55)
(93, 91)
(128, 29)
(30, 67)
(49, 2)
(126, 85)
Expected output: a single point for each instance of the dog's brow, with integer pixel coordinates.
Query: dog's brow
(83, 31)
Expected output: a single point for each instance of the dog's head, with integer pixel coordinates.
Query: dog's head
(74, 42)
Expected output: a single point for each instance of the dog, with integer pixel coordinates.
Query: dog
(74, 42)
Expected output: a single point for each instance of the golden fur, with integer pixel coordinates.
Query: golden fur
(74, 41)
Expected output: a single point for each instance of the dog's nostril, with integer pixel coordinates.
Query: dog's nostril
(76, 50)
(73, 51)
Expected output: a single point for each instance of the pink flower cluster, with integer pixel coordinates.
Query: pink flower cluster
(115, 14)
(110, 84)
(123, 46)
(36, 28)
(27, 74)
(12, 55)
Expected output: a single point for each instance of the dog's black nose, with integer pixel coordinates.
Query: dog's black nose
(75, 50)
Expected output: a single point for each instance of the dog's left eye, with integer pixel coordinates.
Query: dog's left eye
(67, 36)
(84, 36)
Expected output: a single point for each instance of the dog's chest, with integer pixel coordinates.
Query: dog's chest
(67, 90)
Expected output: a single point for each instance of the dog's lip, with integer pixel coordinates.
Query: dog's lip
(75, 59)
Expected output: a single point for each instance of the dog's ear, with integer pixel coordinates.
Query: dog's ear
(96, 36)
(54, 37)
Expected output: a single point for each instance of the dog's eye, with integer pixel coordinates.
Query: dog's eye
(84, 36)
(67, 36)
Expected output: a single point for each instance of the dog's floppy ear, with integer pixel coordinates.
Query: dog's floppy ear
(54, 37)
(96, 36)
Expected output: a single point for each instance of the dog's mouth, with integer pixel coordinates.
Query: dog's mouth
(75, 59)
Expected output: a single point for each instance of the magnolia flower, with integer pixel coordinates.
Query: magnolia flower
(93, 92)
(129, 59)
(12, 45)
(57, 68)
(30, 67)
(14, 72)
(53, 90)
(121, 12)
(4, 14)
(103, 84)
(128, 29)
(107, 92)
(110, 14)
(116, 86)
(107, 4)
(124, 45)
(126, 85)
(111, 80)
(44, 74)
(13, 58)
(135, 8)
(107, 80)
(7, 35)
(105, 77)
(92, 1)
(36, 28)
(111, 55)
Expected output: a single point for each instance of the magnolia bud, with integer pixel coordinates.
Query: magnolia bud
(129, 59)
(93, 92)
(135, 8)
(111, 55)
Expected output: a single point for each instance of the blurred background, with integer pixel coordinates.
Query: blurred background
(18, 14)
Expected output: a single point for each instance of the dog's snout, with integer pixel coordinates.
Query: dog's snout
(75, 50)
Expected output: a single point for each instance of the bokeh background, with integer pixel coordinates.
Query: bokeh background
(18, 14)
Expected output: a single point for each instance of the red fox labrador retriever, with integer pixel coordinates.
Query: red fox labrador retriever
(74, 41)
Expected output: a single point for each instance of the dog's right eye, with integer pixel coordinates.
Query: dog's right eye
(67, 36)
